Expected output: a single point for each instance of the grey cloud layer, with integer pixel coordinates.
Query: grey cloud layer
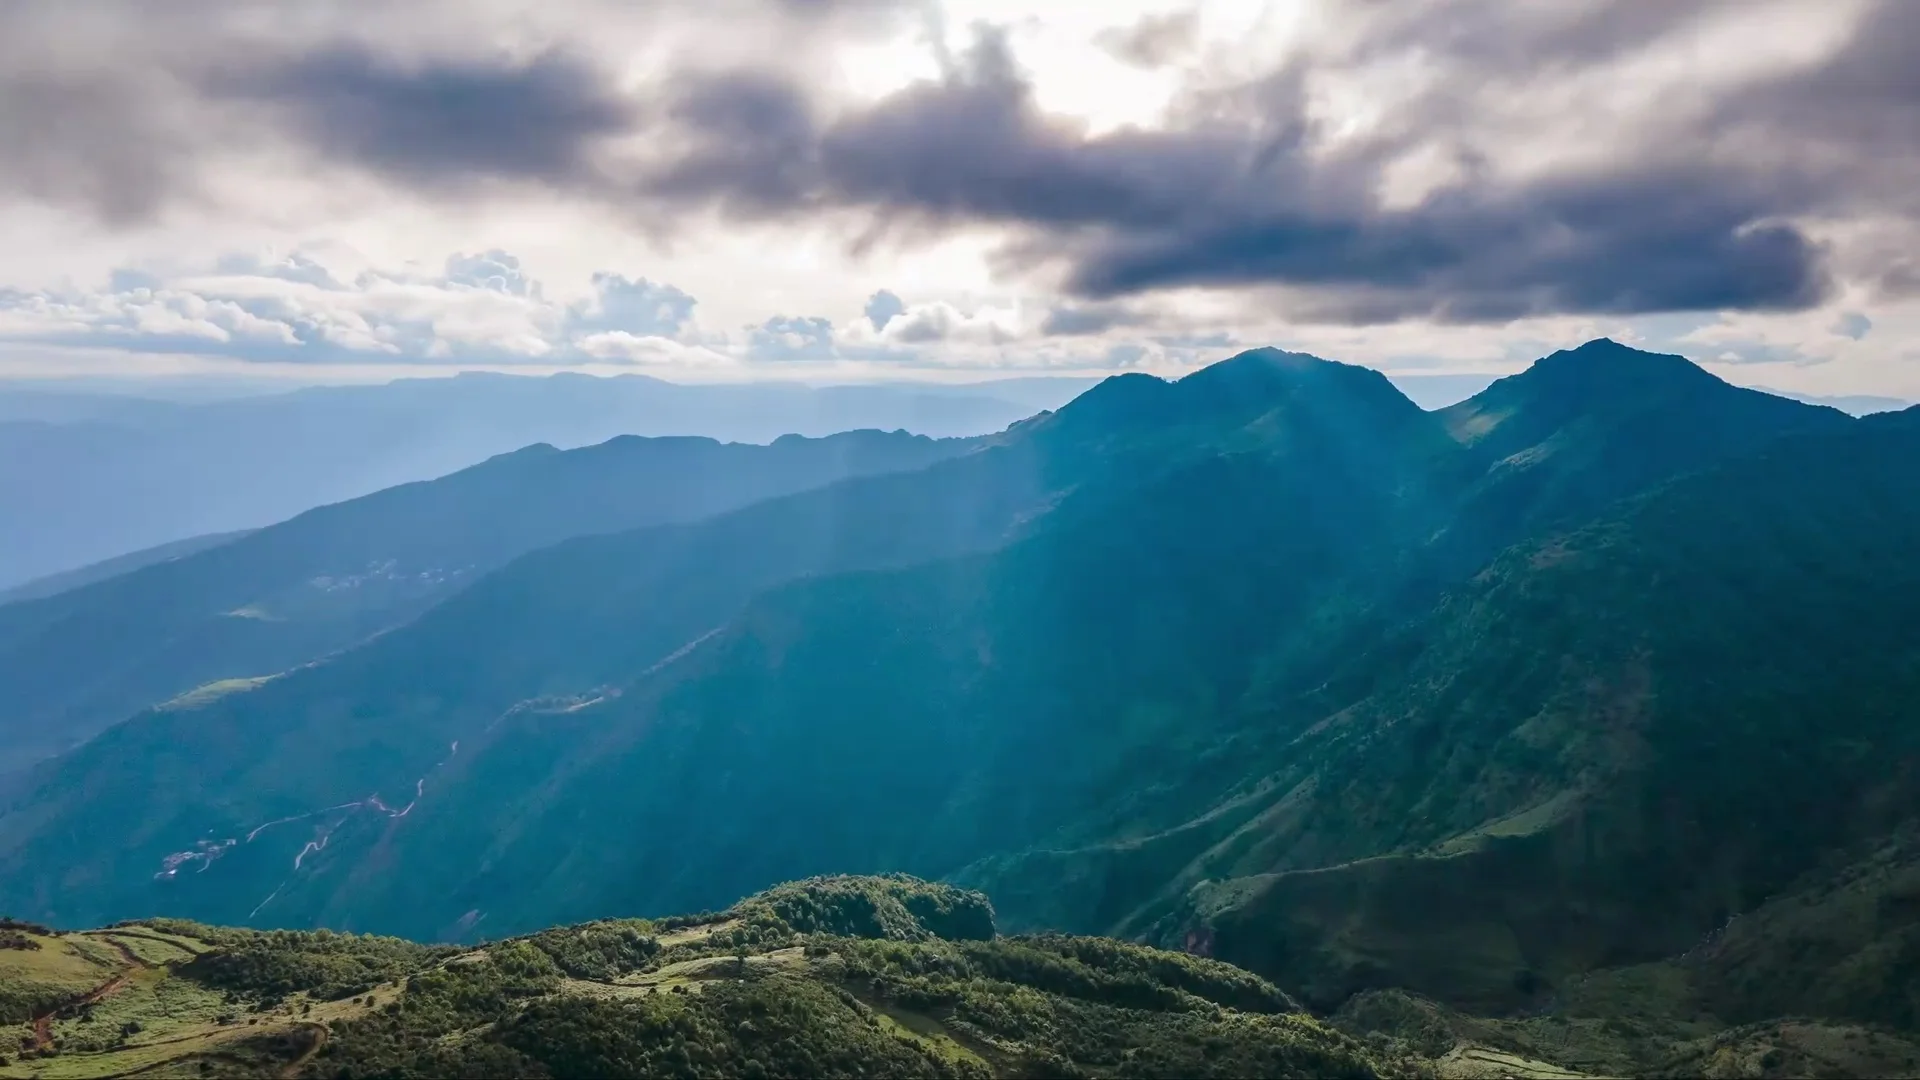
(436, 122)
(1702, 206)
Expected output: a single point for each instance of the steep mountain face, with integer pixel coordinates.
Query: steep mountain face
(1586, 426)
(1602, 748)
(568, 620)
(1513, 705)
(76, 661)
(1071, 664)
(920, 716)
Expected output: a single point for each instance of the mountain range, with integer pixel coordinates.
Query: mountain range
(86, 477)
(1580, 702)
(128, 474)
(255, 605)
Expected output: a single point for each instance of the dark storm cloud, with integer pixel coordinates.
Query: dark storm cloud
(86, 141)
(1244, 199)
(437, 122)
(1695, 207)
(749, 144)
(125, 109)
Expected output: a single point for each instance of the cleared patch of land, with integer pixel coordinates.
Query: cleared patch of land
(208, 693)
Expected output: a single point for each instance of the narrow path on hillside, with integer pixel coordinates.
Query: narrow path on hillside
(43, 1023)
(319, 1032)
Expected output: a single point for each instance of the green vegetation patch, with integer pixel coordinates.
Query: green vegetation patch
(208, 693)
(892, 906)
(148, 949)
(760, 990)
(39, 972)
(270, 965)
(153, 1007)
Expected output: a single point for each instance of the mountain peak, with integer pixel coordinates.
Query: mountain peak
(1606, 362)
(1601, 376)
(1270, 362)
(1257, 380)
(1608, 383)
(1236, 390)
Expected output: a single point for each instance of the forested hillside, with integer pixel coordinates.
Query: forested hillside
(1568, 723)
(255, 605)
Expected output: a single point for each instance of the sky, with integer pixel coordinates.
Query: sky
(831, 190)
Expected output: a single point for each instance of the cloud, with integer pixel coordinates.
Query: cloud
(789, 337)
(940, 321)
(1852, 324)
(1256, 195)
(1154, 41)
(294, 267)
(1075, 320)
(484, 308)
(435, 122)
(88, 137)
(493, 271)
(650, 349)
(1408, 169)
(882, 308)
(127, 110)
(634, 307)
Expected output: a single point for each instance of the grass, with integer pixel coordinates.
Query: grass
(157, 1023)
(927, 1033)
(686, 975)
(209, 693)
(1526, 822)
(158, 951)
(1795, 1049)
(746, 994)
(693, 935)
(163, 1007)
(61, 969)
(182, 1026)
(1473, 1062)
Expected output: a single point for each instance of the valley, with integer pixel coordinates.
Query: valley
(1561, 731)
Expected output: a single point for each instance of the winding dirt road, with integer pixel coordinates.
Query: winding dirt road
(43, 1023)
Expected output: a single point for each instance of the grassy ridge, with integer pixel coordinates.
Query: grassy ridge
(835, 976)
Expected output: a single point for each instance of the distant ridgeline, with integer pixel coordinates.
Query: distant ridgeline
(1565, 729)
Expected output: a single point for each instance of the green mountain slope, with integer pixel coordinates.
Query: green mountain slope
(1191, 567)
(1088, 682)
(839, 721)
(54, 584)
(1566, 730)
(568, 620)
(1244, 664)
(74, 662)
(829, 977)
(1606, 745)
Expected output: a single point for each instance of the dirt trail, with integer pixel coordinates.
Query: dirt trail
(43, 1023)
(319, 1032)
